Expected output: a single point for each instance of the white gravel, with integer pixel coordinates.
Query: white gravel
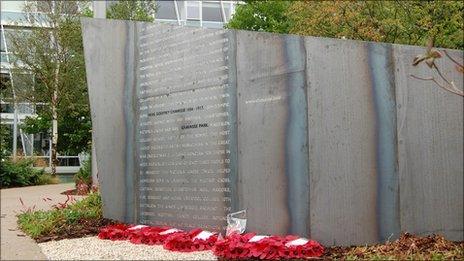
(93, 248)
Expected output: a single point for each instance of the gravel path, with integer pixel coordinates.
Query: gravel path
(93, 248)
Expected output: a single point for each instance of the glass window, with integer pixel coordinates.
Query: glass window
(193, 10)
(2, 43)
(211, 11)
(69, 7)
(5, 90)
(208, 24)
(9, 33)
(192, 22)
(12, 17)
(44, 6)
(227, 10)
(15, 6)
(231, 10)
(166, 10)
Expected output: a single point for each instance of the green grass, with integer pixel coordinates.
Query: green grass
(42, 223)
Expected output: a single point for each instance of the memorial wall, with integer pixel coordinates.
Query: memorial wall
(325, 138)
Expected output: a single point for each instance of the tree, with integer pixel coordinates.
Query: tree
(268, 16)
(132, 10)
(5, 142)
(403, 22)
(52, 52)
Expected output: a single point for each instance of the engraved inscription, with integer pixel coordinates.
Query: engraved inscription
(183, 127)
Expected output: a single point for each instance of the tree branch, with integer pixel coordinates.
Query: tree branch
(452, 90)
(452, 59)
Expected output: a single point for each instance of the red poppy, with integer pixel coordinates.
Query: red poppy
(195, 240)
(234, 246)
(114, 232)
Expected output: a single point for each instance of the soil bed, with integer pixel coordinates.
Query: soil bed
(84, 227)
(406, 247)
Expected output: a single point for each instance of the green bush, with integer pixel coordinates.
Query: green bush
(42, 223)
(84, 175)
(21, 173)
(47, 178)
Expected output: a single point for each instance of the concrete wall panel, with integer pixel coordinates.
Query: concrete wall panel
(325, 138)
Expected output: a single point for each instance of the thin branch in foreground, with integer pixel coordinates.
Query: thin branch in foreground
(453, 88)
(452, 59)
(440, 74)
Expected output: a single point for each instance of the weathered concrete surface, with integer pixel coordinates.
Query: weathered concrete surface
(328, 138)
(112, 113)
(342, 143)
(272, 132)
(430, 148)
(15, 245)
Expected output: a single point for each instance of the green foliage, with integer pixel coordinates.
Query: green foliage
(40, 223)
(47, 178)
(84, 175)
(5, 142)
(53, 55)
(39, 124)
(44, 51)
(268, 16)
(132, 10)
(76, 131)
(74, 125)
(403, 22)
(20, 173)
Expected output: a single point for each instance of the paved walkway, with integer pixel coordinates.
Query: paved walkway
(14, 244)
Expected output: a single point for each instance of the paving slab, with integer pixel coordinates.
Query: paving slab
(15, 245)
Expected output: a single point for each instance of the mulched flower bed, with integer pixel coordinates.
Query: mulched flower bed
(83, 227)
(406, 247)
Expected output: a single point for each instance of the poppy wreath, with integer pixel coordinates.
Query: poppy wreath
(249, 245)
(195, 240)
(299, 248)
(150, 235)
(234, 246)
(114, 232)
(139, 234)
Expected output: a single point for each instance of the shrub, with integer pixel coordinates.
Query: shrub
(21, 173)
(84, 175)
(47, 178)
(70, 215)
(83, 178)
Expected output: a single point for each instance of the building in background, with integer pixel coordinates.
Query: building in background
(211, 14)
(13, 20)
